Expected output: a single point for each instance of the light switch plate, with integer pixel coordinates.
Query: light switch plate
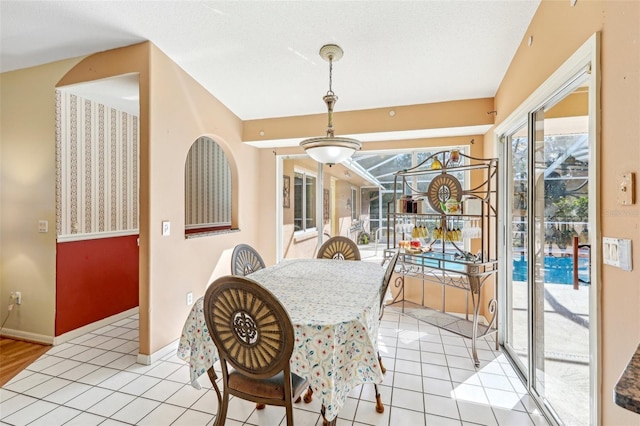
(166, 228)
(610, 251)
(624, 254)
(626, 188)
(617, 252)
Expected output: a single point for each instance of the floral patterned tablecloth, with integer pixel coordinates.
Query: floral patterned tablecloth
(334, 307)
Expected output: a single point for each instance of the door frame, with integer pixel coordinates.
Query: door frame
(586, 57)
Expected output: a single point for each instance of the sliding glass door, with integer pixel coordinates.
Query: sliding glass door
(561, 273)
(518, 292)
(548, 285)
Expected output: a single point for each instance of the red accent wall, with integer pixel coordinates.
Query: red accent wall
(94, 280)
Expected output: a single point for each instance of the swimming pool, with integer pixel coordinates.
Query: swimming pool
(558, 270)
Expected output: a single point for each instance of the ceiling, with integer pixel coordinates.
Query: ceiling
(260, 58)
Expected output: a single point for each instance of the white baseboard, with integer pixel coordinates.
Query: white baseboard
(93, 326)
(56, 340)
(157, 355)
(49, 340)
(24, 335)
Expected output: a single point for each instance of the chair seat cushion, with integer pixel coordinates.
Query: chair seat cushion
(272, 387)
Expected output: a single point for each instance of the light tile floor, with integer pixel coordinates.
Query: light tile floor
(430, 380)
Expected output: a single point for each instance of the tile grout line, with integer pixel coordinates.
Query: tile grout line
(408, 350)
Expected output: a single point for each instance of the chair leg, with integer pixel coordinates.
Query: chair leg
(222, 406)
(260, 406)
(214, 377)
(221, 418)
(308, 396)
(384, 370)
(379, 405)
(289, 416)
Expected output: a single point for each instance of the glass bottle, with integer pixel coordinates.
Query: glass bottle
(454, 157)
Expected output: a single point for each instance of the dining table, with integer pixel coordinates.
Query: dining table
(334, 306)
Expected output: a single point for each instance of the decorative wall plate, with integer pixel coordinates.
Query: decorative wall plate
(442, 188)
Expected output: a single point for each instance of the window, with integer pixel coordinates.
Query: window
(384, 165)
(304, 201)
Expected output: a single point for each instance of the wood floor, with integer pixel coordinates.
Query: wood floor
(16, 355)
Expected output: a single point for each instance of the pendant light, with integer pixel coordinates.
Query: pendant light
(330, 149)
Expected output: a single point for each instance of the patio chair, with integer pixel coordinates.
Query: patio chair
(384, 287)
(340, 248)
(245, 260)
(254, 337)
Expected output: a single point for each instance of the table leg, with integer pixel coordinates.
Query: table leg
(379, 404)
(326, 422)
(382, 367)
(309, 395)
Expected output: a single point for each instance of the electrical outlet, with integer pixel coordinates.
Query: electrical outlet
(189, 298)
(43, 226)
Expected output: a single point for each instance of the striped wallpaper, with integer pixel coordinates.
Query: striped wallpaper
(96, 168)
(207, 185)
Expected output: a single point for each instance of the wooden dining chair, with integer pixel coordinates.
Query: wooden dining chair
(245, 260)
(340, 248)
(384, 287)
(254, 337)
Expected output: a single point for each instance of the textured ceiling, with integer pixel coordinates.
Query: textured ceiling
(260, 58)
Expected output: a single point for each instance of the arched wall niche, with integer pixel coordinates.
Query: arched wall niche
(211, 188)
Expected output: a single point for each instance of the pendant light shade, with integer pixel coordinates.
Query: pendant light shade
(330, 149)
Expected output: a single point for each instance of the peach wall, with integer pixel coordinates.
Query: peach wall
(469, 112)
(558, 30)
(174, 112)
(181, 110)
(265, 213)
(27, 194)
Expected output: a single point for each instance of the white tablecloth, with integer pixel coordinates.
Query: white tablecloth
(334, 307)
